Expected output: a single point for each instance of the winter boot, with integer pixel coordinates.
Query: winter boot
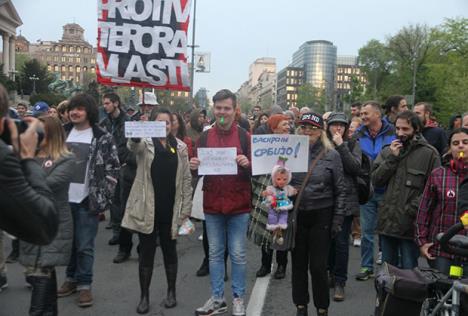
(145, 274)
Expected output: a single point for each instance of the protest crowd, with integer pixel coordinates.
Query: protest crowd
(386, 178)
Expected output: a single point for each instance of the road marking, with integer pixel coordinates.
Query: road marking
(257, 297)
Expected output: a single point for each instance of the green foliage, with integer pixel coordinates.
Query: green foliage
(312, 97)
(34, 68)
(49, 98)
(433, 60)
(245, 105)
(9, 85)
(357, 91)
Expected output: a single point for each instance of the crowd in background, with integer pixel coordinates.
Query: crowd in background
(414, 168)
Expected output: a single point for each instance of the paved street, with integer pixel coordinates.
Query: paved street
(116, 290)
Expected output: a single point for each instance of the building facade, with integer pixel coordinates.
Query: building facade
(71, 58)
(9, 22)
(347, 70)
(266, 89)
(258, 67)
(318, 59)
(289, 80)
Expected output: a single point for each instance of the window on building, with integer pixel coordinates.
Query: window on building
(64, 77)
(70, 59)
(85, 69)
(63, 59)
(64, 68)
(78, 69)
(78, 49)
(64, 48)
(93, 61)
(49, 68)
(72, 49)
(78, 59)
(93, 70)
(70, 68)
(56, 48)
(56, 68)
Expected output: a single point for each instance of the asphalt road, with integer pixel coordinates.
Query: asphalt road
(116, 290)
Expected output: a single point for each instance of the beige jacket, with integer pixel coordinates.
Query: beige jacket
(139, 212)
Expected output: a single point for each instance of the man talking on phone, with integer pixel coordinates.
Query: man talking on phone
(27, 208)
(403, 168)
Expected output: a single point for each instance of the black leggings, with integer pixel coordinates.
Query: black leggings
(149, 242)
(310, 254)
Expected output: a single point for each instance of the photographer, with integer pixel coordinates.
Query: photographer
(26, 207)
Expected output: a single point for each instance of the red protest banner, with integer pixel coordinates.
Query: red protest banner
(143, 43)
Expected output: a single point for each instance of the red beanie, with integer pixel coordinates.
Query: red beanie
(275, 119)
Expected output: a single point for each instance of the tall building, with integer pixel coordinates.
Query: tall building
(266, 89)
(71, 58)
(288, 82)
(258, 67)
(347, 67)
(318, 58)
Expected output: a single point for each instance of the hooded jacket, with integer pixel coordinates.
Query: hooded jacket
(404, 177)
(58, 252)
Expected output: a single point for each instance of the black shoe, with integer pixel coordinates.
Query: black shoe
(263, 271)
(14, 254)
(109, 225)
(280, 272)
(114, 241)
(322, 312)
(204, 269)
(122, 256)
(339, 293)
(3, 282)
(301, 310)
(171, 276)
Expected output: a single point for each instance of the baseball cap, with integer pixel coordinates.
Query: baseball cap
(337, 117)
(39, 108)
(312, 119)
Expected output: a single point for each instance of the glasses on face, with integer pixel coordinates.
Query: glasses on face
(309, 127)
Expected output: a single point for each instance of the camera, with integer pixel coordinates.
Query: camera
(21, 126)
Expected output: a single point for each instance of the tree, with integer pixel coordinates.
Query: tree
(312, 97)
(410, 47)
(201, 98)
(357, 91)
(374, 59)
(34, 68)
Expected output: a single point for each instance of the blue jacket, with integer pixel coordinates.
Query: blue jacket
(373, 146)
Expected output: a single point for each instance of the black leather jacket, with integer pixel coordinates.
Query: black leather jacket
(27, 208)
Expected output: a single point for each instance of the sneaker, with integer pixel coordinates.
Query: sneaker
(67, 289)
(3, 282)
(364, 275)
(379, 258)
(85, 299)
(339, 293)
(238, 307)
(357, 242)
(212, 307)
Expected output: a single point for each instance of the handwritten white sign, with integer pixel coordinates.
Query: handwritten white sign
(217, 161)
(142, 129)
(267, 149)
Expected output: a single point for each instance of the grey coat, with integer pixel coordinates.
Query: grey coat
(58, 252)
(352, 161)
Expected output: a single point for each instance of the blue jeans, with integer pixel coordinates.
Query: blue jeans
(368, 225)
(234, 227)
(402, 253)
(80, 267)
(339, 252)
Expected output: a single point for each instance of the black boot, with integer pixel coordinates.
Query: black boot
(204, 268)
(42, 296)
(145, 274)
(171, 276)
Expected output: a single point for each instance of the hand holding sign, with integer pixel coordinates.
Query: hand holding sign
(218, 161)
(142, 129)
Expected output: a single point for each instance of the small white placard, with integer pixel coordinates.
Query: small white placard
(217, 161)
(143, 129)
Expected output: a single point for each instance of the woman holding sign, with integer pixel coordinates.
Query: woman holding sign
(159, 202)
(319, 211)
(257, 231)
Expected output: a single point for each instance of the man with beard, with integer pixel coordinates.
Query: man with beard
(431, 132)
(403, 167)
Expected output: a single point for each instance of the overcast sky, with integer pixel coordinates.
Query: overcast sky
(237, 32)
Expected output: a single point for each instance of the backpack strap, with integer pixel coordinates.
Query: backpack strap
(243, 140)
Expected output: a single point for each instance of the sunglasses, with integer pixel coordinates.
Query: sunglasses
(309, 127)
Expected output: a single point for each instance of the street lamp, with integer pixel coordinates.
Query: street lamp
(34, 78)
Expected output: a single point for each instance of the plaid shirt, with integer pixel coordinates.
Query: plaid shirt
(438, 208)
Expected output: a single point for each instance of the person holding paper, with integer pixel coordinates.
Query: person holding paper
(226, 205)
(163, 178)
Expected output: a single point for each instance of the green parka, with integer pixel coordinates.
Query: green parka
(404, 177)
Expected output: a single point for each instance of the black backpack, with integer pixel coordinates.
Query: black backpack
(364, 186)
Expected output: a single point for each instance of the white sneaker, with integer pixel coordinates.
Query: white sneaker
(200, 237)
(357, 242)
(379, 258)
(238, 307)
(212, 307)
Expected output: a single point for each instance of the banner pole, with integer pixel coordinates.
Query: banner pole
(192, 66)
